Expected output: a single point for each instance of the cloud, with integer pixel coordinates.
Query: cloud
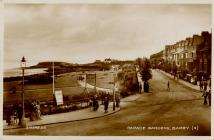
(83, 33)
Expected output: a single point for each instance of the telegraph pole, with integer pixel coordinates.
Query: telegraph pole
(53, 83)
(95, 83)
(114, 95)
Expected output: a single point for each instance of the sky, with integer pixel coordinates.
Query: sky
(83, 33)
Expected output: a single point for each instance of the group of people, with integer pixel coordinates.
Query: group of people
(14, 113)
(94, 102)
(205, 87)
(105, 98)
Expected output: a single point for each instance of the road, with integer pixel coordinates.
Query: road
(176, 112)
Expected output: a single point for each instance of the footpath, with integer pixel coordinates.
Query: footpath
(83, 114)
(82, 83)
(194, 87)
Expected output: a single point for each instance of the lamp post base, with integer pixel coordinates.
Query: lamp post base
(23, 123)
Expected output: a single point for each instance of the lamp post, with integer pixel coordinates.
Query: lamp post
(23, 65)
(114, 95)
(53, 86)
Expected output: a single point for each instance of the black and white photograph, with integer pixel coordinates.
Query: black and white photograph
(113, 69)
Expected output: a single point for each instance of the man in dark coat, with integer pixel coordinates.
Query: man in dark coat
(19, 113)
(205, 97)
(140, 87)
(117, 101)
(201, 86)
(106, 102)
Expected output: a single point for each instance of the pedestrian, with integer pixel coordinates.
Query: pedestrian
(19, 113)
(90, 102)
(32, 111)
(102, 98)
(106, 103)
(209, 91)
(117, 101)
(144, 86)
(9, 115)
(205, 86)
(147, 86)
(15, 116)
(38, 111)
(140, 87)
(205, 97)
(201, 86)
(209, 97)
(95, 103)
(168, 86)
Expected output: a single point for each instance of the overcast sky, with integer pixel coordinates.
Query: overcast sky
(82, 33)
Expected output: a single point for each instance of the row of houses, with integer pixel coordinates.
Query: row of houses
(191, 56)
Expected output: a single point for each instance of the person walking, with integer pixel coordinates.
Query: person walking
(205, 97)
(9, 114)
(205, 86)
(209, 91)
(201, 86)
(95, 102)
(106, 103)
(140, 87)
(209, 97)
(19, 113)
(168, 86)
(117, 101)
(90, 102)
(32, 111)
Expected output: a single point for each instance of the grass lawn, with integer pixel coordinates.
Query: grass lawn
(44, 92)
(104, 79)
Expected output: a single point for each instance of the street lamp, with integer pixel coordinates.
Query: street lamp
(114, 95)
(23, 65)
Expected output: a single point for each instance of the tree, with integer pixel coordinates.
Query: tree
(146, 73)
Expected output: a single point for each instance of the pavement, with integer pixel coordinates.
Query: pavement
(82, 83)
(83, 114)
(187, 84)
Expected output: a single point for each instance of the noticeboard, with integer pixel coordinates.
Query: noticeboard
(59, 97)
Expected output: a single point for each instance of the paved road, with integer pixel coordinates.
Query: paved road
(178, 112)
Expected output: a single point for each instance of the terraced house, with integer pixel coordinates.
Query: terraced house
(189, 57)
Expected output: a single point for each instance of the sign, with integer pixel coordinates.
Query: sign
(59, 97)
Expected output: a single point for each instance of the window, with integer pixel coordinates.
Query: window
(184, 55)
